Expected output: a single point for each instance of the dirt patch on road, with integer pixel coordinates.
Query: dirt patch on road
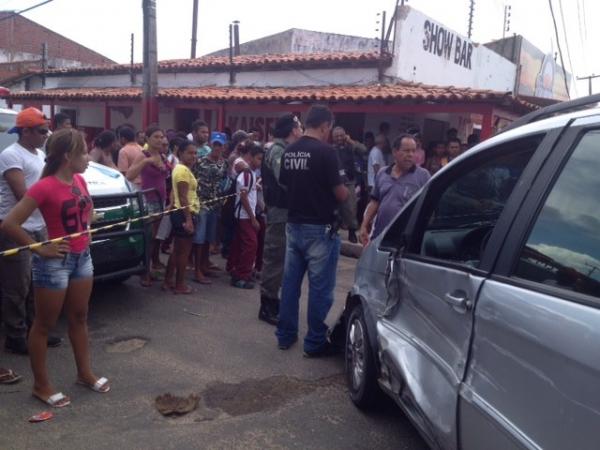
(126, 345)
(251, 396)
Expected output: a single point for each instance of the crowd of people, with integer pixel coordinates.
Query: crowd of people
(271, 207)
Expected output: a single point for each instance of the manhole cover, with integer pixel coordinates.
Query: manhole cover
(126, 345)
(252, 396)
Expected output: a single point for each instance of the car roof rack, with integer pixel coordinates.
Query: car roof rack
(553, 110)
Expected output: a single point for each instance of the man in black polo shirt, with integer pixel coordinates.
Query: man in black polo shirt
(310, 172)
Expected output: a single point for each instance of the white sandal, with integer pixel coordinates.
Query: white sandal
(101, 385)
(56, 400)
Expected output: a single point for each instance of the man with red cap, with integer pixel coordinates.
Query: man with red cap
(21, 165)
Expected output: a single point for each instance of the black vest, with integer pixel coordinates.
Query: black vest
(273, 193)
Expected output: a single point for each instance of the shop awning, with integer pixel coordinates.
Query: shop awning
(375, 93)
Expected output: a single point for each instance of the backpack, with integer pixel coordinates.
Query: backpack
(238, 208)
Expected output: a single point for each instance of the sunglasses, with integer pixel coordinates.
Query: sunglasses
(42, 131)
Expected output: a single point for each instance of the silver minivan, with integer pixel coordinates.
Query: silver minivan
(478, 309)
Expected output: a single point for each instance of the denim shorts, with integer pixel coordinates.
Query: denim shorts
(177, 222)
(55, 273)
(206, 227)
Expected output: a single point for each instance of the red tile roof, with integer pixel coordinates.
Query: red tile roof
(247, 62)
(20, 34)
(405, 92)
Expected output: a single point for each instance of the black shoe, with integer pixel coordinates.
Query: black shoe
(287, 346)
(268, 310)
(352, 236)
(327, 349)
(54, 341)
(17, 346)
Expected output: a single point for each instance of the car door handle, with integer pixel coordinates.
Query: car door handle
(458, 300)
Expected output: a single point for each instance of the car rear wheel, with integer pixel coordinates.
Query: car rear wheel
(361, 369)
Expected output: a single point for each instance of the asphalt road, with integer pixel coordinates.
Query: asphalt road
(210, 344)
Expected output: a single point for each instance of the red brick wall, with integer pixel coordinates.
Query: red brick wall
(20, 34)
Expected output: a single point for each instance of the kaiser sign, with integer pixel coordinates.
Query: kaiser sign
(429, 52)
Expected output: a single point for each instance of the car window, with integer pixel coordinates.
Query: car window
(466, 206)
(563, 248)
(393, 236)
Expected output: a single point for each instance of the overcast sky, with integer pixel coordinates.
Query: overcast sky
(106, 25)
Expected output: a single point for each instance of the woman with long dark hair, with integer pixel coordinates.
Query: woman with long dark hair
(154, 169)
(63, 271)
(185, 200)
(105, 145)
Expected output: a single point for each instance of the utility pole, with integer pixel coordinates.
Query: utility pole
(231, 71)
(382, 46)
(236, 38)
(44, 62)
(194, 28)
(131, 71)
(471, 10)
(150, 92)
(506, 25)
(589, 78)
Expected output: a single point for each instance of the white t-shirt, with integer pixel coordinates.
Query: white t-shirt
(375, 157)
(246, 179)
(17, 157)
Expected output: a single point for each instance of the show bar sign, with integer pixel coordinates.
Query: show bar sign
(446, 44)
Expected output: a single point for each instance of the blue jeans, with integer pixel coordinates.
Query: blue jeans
(55, 273)
(206, 228)
(312, 248)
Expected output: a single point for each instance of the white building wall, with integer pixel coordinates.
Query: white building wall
(450, 60)
(166, 118)
(89, 81)
(127, 114)
(282, 78)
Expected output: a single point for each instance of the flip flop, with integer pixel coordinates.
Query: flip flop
(201, 280)
(58, 400)
(145, 283)
(101, 385)
(7, 376)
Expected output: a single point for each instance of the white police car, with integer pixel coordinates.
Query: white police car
(119, 252)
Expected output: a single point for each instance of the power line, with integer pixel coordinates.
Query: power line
(580, 29)
(16, 13)
(562, 18)
(589, 78)
(584, 20)
(562, 63)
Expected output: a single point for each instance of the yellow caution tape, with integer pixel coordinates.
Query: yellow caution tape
(14, 251)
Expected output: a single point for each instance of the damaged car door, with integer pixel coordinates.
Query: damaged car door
(424, 337)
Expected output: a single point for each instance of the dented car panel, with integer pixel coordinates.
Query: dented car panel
(425, 341)
(477, 356)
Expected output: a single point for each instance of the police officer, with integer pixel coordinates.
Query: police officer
(310, 172)
(288, 130)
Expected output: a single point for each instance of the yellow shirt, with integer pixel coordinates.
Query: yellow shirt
(182, 173)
